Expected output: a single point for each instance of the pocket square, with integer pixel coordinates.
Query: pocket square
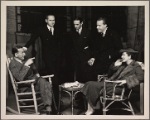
(86, 47)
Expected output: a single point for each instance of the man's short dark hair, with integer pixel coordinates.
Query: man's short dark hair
(46, 16)
(104, 19)
(15, 49)
(79, 18)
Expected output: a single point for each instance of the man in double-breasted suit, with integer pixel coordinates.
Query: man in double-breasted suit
(25, 70)
(81, 50)
(50, 40)
(105, 47)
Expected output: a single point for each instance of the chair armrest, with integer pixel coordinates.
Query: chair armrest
(117, 84)
(101, 77)
(112, 81)
(48, 76)
(27, 81)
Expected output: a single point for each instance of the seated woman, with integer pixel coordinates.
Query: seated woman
(126, 71)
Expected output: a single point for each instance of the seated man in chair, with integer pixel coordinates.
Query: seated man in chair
(126, 71)
(25, 70)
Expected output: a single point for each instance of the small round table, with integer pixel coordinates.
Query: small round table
(71, 91)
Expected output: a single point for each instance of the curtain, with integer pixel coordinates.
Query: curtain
(135, 30)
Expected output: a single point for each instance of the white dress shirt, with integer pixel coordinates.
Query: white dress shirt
(79, 31)
(51, 29)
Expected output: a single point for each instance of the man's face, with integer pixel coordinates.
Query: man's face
(77, 24)
(20, 54)
(50, 20)
(125, 57)
(101, 26)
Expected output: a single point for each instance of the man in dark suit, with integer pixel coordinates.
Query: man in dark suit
(105, 47)
(25, 70)
(81, 50)
(50, 40)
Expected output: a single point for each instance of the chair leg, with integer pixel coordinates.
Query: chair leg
(53, 98)
(104, 112)
(132, 111)
(85, 103)
(18, 105)
(34, 98)
(59, 100)
(104, 105)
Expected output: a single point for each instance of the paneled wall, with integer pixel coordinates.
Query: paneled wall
(11, 29)
(11, 39)
(135, 29)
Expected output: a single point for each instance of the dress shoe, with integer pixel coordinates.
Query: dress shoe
(48, 113)
(45, 112)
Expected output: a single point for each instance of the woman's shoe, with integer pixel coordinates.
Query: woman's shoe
(89, 113)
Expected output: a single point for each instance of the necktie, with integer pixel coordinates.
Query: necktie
(101, 34)
(78, 32)
(50, 30)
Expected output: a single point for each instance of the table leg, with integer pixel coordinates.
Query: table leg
(59, 100)
(72, 97)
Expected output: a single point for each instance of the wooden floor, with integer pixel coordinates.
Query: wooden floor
(79, 108)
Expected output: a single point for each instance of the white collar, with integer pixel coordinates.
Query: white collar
(79, 31)
(104, 32)
(18, 59)
(52, 28)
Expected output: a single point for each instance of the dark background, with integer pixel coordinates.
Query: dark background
(32, 16)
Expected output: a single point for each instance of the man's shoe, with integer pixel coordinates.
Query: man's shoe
(48, 113)
(44, 112)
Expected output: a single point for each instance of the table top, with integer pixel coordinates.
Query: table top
(72, 88)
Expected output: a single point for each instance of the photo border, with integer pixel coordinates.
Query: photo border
(4, 4)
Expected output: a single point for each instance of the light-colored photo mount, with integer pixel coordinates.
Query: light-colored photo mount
(11, 10)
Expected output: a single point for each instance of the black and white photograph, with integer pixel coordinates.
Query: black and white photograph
(89, 59)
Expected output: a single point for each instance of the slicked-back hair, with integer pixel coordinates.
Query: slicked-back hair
(15, 49)
(78, 18)
(104, 19)
(46, 16)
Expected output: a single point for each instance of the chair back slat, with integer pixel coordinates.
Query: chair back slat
(13, 81)
(15, 87)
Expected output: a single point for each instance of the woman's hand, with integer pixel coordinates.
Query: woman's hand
(118, 62)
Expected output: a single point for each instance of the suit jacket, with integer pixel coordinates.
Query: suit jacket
(106, 50)
(81, 45)
(50, 43)
(21, 72)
